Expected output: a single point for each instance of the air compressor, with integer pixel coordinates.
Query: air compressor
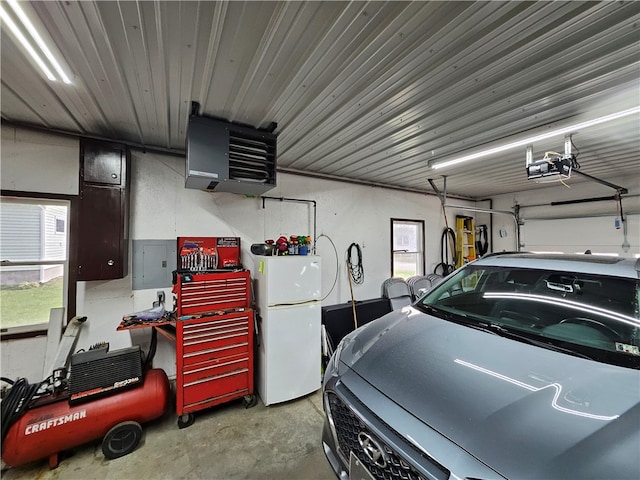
(46, 430)
(106, 394)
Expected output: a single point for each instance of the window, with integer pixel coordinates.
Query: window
(407, 240)
(34, 248)
(60, 225)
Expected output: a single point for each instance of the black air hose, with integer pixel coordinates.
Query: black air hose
(148, 360)
(482, 241)
(16, 402)
(356, 270)
(446, 268)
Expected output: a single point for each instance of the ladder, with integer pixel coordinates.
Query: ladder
(465, 240)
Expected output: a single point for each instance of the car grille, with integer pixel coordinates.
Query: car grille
(348, 426)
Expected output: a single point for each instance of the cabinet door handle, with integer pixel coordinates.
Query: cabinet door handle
(110, 263)
(114, 175)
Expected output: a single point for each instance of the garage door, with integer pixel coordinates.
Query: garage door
(575, 235)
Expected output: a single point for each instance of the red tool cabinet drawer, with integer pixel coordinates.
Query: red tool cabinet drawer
(213, 326)
(214, 359)
(214, 353)
(211, 292)
(215, 338)
(217, 368)
(234, 384)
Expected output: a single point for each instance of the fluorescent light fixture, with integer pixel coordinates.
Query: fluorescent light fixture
(44, 49)
(537, 138)
(21, 38)
(36, 36)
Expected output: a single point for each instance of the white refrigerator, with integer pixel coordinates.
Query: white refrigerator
(288, 295)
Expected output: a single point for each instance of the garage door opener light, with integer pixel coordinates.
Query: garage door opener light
(551, 168)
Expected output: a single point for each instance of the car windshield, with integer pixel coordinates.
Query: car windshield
(594, 316)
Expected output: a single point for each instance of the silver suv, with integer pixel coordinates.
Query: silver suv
(517, 366)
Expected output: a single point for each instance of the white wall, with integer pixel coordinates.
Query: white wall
(37, 162)
(23, 358)
(161, 208)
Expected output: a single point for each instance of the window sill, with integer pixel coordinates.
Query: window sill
(27, 331)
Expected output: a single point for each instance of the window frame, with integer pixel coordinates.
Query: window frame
(71, 271)
(420, 242)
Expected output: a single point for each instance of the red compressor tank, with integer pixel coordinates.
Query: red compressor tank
(46, 430)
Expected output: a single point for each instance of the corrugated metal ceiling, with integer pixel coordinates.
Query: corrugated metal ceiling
(371, 91)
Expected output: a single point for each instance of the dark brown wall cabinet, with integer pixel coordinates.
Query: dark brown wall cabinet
(104, 211)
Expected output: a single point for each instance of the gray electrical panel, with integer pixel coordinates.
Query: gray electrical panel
(153, 263)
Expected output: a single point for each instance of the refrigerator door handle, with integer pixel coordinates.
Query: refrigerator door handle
(294, 304)
(257, 321)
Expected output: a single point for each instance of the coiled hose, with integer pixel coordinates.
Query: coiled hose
(16, 401)
(444, 267)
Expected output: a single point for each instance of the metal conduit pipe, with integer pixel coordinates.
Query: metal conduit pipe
(65, 133)
(297, 200)
(366, 183)
(491, 225)
(587, 215)
(443, 199)
(490, 200)
(492, 211)
(569, 202)
(480, 209)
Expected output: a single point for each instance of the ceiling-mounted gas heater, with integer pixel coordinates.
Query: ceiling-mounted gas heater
(226, 157)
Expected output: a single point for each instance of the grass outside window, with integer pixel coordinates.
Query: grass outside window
(29, 303)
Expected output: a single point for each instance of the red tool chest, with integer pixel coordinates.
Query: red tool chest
(214, 362)
(214, 341)
(201, 293)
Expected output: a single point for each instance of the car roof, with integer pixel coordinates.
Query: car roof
(593, 264)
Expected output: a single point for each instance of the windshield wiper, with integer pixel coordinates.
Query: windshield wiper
(500, 330)
(446, 314)
(459, 317)
(431, 310)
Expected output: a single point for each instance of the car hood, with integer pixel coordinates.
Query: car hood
(525, 411)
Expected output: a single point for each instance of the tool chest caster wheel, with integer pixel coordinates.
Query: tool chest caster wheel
(121, 440)
(187, 420)
(249, 401)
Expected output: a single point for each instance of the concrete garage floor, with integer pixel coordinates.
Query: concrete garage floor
(278, 442)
